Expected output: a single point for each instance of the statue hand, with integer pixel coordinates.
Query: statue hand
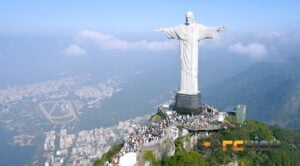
(159, 29)
(221, 29)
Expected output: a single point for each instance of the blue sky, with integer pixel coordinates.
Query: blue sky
(256, 28)
(40, 37)
(69, 16)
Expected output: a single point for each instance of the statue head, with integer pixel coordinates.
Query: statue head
(189, 18)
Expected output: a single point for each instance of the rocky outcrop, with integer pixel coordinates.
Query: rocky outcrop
(161, 149)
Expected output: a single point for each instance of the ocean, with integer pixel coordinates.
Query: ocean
(13, 155)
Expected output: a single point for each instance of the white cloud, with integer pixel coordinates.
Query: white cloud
(254, 50)
(109, 42)
(280, 39)
(74, 50)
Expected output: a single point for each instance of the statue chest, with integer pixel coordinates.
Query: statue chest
(190, 33)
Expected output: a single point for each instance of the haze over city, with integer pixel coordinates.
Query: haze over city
(97, 67)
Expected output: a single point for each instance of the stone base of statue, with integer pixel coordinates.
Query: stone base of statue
(188, 104)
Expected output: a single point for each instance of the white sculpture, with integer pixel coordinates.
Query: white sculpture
(189, 34)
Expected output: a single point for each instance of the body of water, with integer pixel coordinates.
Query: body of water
(11, 154)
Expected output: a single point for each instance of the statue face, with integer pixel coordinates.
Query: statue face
(188, 18)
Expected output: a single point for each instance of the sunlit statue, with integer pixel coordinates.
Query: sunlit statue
(189, 34)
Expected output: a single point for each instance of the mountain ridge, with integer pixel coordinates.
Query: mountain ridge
(270, 90)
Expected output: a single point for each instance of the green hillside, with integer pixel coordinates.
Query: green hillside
(288, 154)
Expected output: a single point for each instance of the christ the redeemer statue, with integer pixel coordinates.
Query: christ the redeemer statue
(189, 35)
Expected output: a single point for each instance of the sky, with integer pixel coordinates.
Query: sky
(112, 16)
(53, 36)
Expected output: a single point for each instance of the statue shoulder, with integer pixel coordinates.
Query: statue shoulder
(200, 26)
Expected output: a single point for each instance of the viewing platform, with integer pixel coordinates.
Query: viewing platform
(208, 127)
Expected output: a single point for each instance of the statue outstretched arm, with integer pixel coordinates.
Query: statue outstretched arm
(209, 32)
(169, 32)
(221, 29)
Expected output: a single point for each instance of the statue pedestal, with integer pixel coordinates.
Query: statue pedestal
(188, 104)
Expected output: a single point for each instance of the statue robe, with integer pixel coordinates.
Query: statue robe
(189, 36)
